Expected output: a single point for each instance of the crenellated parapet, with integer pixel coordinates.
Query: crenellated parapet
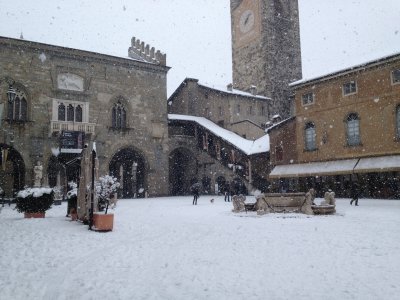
(139, 48)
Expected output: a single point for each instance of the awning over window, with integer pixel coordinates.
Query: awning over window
(338, 167)
(334, 167)
(378, 164)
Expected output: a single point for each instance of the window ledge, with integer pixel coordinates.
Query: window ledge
(16, 122)
(123, 130)
(310, 150)
(353, 146)
(349, 94)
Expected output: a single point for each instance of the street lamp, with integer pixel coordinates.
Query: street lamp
(11, 94)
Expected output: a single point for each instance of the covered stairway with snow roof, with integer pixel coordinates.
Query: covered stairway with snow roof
(200, 150)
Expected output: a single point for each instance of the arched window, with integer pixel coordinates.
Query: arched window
(309, 133)
(353, 130)
(398, 121)
(70, 113)
(61, 112)
(24, 110)
(78, 114)
(118, 116)
(18, 109)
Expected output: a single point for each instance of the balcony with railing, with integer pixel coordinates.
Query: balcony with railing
(58, 126)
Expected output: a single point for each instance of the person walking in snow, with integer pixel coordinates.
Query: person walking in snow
(355, 192)
(227, 192)
(195, 188)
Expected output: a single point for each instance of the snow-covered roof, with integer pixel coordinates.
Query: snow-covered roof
(277, 125)
(346, 70)
(216, 88)
(221, 88)
(249, 147)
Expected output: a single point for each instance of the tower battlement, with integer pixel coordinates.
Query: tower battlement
(143, 50)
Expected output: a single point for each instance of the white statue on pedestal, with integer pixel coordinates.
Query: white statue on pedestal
(309, 201)
(38, 174)
(329, 198)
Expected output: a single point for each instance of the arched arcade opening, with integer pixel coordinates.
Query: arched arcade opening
(12, 171)
(182, 171)
(129, 167)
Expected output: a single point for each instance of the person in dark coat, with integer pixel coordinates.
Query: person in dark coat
(195, 188)
(355, 192)
(227, 192)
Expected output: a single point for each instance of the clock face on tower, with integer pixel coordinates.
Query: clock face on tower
(246, 22)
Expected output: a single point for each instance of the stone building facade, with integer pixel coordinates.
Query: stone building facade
(218, 160)
(347, 129)
(66, 98)
(266, 50)
(241, 112)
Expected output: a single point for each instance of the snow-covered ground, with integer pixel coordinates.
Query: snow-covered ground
(166, 248)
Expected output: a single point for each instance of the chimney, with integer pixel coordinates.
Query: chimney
(229, 87)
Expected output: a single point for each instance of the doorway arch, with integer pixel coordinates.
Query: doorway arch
(182, 171)
(12, 171)
(56, 172)
(221, 181)
(128, 166)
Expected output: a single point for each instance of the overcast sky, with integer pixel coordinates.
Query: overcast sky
(196, 36)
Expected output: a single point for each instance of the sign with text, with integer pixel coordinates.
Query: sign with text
(72, 140)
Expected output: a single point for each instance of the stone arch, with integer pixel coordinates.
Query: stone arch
(12, 170)
(222, 184)
(206, 183)
(66, 166)
(56, 172)
(238, 187)
(182, 171)
(128, 165)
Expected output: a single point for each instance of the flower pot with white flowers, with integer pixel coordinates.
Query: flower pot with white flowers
(106, 190)
(34, 202)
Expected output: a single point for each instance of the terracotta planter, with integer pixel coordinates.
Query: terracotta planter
(103, 222)
(35, 215)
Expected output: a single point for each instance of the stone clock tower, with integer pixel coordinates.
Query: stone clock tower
(266, 49)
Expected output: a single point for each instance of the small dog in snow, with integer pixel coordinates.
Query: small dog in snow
(212, 200)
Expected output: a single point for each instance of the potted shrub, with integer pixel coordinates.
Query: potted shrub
(34, 202)
(106, 190)
(72, 198)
